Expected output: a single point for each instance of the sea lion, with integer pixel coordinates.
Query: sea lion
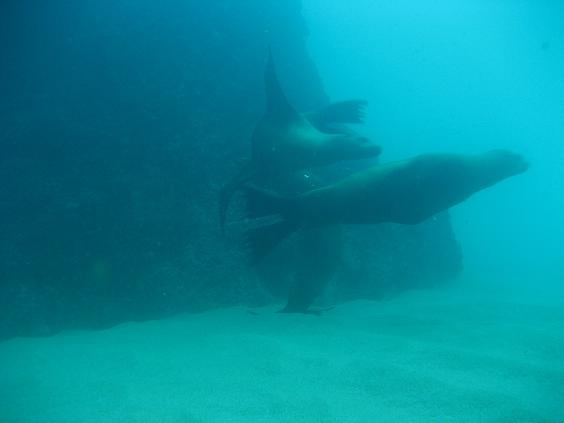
(286, 141)
(406, 192)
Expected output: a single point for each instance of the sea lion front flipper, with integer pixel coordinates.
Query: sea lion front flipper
(350, 111)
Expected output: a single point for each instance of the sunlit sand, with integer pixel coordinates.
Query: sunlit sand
(424, 357)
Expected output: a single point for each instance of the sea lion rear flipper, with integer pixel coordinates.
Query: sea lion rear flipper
(263, 239)
(350, 111)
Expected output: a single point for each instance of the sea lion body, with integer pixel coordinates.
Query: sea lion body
(404, 192)
(285, 141)
(280, 147)
(410, 191)
(283, 147)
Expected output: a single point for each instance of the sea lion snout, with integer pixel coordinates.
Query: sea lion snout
(369, 148)
(512, 163)
(372, 146)
(522, 165)
(497, 165)
(349, 147)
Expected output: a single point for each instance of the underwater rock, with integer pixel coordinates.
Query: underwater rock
(111, 161)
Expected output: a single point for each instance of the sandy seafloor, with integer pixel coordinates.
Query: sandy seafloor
(436, 356)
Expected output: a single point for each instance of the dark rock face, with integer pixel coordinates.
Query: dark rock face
(119, 122)
(365, 262)
(387, 259)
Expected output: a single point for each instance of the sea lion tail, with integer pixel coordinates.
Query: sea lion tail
(261, 240)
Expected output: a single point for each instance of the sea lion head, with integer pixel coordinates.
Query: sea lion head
(351, 147)
(501, 164)
(508, 163)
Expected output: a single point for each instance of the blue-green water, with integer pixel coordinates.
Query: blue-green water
(463, 76)
(121, 299)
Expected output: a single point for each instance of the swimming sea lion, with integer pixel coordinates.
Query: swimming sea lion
(406, 192)
(285, 141)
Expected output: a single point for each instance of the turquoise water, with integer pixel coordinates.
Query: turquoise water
(463, 76)
(120, 298)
